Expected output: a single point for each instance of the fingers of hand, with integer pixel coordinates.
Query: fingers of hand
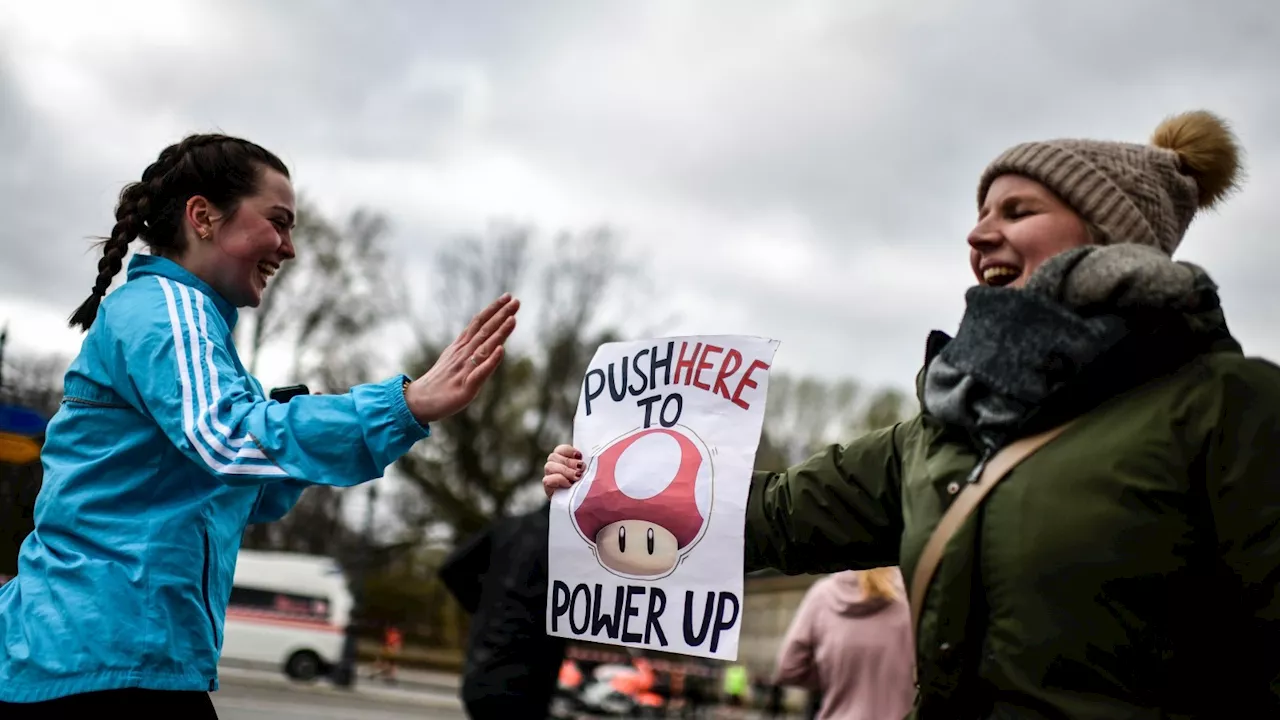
(481, 369)
(487, 320)
(568, 461)
(564, 467)
(567, 471)
(552, 483)
(485, 351)
(568, 452)
(496, 329)
(493, 343)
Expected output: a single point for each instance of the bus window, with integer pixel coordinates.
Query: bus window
(278, 603)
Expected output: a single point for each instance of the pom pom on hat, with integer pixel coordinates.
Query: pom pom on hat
(1143, 194)
(1208, 151)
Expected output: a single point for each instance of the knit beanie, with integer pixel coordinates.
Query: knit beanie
(1143, 194)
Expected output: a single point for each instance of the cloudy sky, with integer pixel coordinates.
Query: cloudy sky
(801, 170)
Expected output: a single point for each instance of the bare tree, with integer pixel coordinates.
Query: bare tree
(33, 382)
(886, 407)
(338, 290)
(481, 460)
(804, 413)
(327, 307)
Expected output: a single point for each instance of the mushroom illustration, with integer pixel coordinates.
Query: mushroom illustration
(642, 536)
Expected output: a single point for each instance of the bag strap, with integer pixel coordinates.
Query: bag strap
(996, 469)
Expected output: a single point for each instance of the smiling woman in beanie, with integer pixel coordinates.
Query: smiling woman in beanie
(1087, 506)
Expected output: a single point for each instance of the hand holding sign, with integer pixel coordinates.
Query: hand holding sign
(657, 479)
(564, 468)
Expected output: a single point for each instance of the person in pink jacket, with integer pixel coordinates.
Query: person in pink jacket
(851, 642)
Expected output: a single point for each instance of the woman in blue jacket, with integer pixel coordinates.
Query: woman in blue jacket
(165, 447)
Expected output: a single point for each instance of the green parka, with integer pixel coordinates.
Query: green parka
(1129, 569)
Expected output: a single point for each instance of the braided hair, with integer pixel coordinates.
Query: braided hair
(222, 169)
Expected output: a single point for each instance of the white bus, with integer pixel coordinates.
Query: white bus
(287, 610)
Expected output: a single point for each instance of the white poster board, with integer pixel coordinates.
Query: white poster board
(646, 550)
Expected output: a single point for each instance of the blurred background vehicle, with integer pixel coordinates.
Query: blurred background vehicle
(287, 609)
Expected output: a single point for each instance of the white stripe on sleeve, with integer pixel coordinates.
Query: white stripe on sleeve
(189, 418)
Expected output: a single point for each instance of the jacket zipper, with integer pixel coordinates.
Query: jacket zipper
(204, 587)
(976, 473)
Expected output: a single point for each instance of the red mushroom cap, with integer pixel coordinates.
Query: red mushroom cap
(675, 508)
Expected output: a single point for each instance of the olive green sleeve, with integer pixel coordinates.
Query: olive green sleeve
(1242, 462)
(841, 509)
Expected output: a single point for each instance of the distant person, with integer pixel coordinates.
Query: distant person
(850, 642)
(569, 682)
(165, 448)
(500, 576)
(696, 691)
(737, 685)
(774, 702)
(392, 643)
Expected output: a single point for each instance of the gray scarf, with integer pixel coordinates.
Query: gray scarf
(1015, 348)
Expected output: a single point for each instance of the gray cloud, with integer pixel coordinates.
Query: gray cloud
(42, 193)
(823, 154)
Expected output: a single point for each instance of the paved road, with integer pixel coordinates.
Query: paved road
(247, 695)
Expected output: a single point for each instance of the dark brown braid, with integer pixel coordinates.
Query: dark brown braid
(223, 169)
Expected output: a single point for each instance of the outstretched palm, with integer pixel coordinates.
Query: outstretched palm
(457, 376)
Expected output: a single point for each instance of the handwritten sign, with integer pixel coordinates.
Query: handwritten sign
(647, 549)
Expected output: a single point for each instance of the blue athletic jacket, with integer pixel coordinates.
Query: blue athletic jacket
(164, 449)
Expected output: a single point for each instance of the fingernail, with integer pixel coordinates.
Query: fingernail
(577, 454)
(582, 466)
(579, 473)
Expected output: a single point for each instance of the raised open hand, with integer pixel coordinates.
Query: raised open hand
(453, 382)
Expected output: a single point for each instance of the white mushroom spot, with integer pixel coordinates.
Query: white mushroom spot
(648, 466)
